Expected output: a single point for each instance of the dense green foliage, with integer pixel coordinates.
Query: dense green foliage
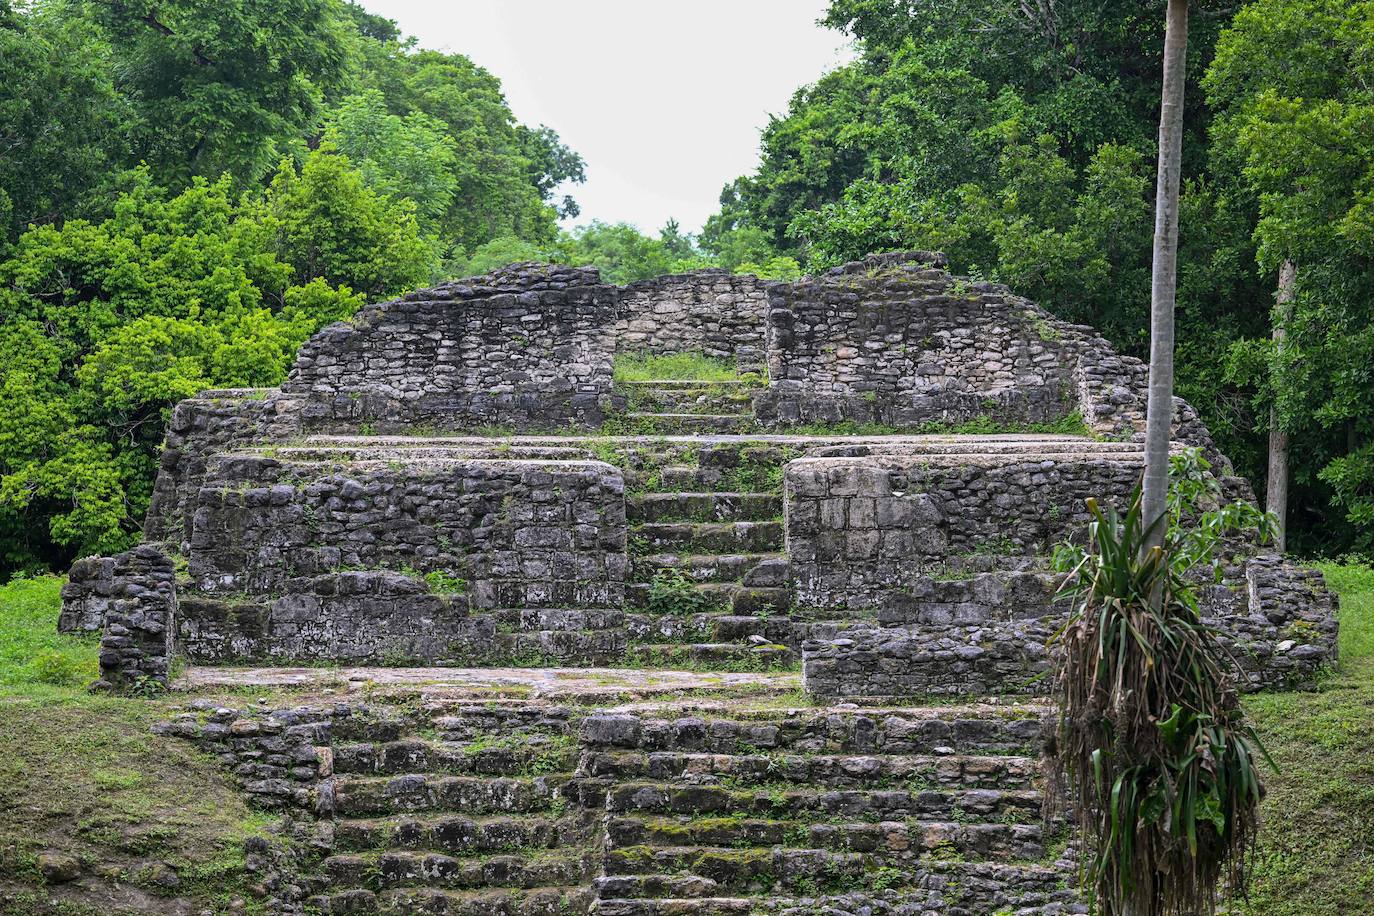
(623, 254)
(1292, 87)
(108, 323)
(187, 192)
(1020, 139)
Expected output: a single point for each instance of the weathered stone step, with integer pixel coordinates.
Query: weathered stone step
(366, 796)
(678, 871)
(676, 906)
(687, 383)
(546, 901)
(607, 905)
(531, 756)
(464, 720)
(712, 537)
(727, 628)
(461, 834)
(766, 569)
(703, 507)
(828, 770)
(759, 474)
(969, 729)
(554, 647)
(900, 840)
(546, 868)
(535, 620)
(688, 478)
(691, 397)
(729, 656)
(780, 630)
(944, 888)
(744, 600)
(1009, 806)
(687, 423)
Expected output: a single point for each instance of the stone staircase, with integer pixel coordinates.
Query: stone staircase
(465, 808)
(826, 810)
(673, 406)
(686, 807)
(709, 569)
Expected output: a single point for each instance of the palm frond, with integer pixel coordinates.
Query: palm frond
(1162, 766)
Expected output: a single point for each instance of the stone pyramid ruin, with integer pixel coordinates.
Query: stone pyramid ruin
(459, 492)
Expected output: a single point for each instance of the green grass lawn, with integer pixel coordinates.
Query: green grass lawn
(1316, 848)
(643, 367)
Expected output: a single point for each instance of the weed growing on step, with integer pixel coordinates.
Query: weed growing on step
(671, 593)
(444, 583)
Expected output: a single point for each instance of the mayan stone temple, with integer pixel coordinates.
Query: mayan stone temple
(773, 642)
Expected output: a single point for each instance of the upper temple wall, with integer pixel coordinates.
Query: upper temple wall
(525, 346)
(714, 312)
(897, 340)
(893, 339)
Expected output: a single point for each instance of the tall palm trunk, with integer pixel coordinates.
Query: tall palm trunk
(1276, 486)
(1164, 277)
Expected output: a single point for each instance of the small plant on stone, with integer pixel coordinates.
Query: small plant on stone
(444, 582)
(671, 593)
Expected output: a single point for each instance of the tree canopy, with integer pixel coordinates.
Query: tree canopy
(1020, 139)
(187, 192)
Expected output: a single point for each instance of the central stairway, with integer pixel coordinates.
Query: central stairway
(711, 807)
(674, 406)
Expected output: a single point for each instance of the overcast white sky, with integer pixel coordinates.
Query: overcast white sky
(663, 98)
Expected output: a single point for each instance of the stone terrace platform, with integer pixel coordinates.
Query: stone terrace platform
(575, 684)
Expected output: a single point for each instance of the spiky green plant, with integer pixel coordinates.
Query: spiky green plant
(1163, 781)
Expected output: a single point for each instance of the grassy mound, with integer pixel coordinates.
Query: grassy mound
(33, 655)
(154, 825)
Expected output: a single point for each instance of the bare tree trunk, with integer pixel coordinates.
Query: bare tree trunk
(1164, 276)
(1276, 487)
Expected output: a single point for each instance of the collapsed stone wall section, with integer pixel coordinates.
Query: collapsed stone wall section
(987, 659)
(528, 346)
(1276, 621)
(200, 427)
(351, 617)
(1280, 622)
(376, 560)
(523, 533)
(897, 340)
(714, 312)
(132, 597)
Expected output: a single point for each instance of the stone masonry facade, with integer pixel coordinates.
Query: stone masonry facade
(367, 561)
(367, 512)
(131, 599)
(714, 312)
